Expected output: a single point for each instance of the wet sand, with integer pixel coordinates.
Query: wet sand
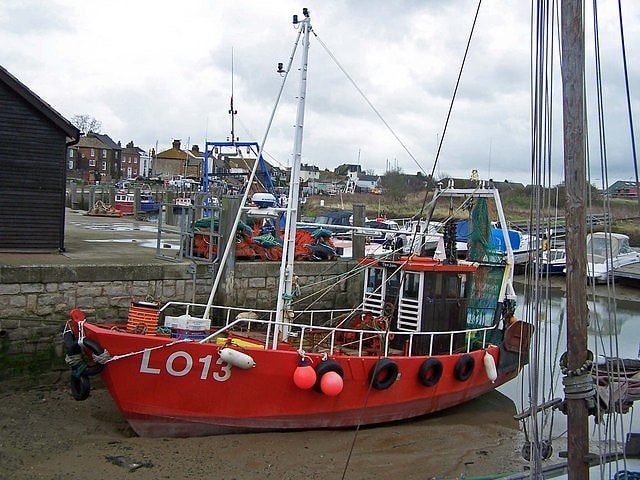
(46, 434)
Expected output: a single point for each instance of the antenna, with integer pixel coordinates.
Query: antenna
(232, 112)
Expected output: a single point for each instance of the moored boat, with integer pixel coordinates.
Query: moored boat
(606, 252)
(428, 334)
(125, 202)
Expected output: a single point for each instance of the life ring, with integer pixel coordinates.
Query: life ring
(430, 372)
(383, 374)
(464, 368)
(325, 367)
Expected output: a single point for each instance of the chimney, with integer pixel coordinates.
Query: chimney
(195, 149)
(176, 144)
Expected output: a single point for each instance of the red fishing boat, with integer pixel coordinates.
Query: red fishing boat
(429, 334)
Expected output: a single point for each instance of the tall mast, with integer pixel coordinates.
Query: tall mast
(573, 61)
(232, 111)
(285, 286)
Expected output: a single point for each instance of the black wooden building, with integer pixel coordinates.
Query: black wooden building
(33, 143)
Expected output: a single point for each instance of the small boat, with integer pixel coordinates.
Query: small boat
(417, 236)
(385, 229)
(125, 202)
(606, 252)
(428, 334)
(552, 261)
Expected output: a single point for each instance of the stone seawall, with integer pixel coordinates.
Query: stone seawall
(35, 301)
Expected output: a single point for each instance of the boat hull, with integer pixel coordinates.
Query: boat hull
(183, 389)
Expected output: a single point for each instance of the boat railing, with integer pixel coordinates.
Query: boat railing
(323, 331)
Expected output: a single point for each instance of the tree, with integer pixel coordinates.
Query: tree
(86, 124)
(394, 184)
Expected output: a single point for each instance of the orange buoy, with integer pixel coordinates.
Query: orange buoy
(304, 375)
(331, 384)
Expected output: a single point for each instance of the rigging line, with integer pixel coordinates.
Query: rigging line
(455, 91)
(375, 110)
(626, 83)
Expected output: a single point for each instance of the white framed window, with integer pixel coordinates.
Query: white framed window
(93, 152)
(92, 163)
(103, 166)
(104, 153)
(71, 153)
(70, 165)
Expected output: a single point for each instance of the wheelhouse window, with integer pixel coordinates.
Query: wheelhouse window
(411, 285)
(375, 278)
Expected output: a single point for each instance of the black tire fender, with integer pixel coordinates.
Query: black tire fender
(70, 343)
(430, 372)
(464, 368)
(383, 374)
(80, 387)
(96, 349)
(325, 367)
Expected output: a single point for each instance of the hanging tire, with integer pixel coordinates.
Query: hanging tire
(325, 367)
(383, 374)
(430, 372)
(80, 387)
(464, 368)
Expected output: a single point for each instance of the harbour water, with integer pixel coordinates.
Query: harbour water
(612, 332)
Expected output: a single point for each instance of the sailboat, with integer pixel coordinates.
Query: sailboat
(429, 333)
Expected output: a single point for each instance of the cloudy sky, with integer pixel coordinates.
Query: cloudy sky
(154, 71)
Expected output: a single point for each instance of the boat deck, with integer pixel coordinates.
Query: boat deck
(628, 272)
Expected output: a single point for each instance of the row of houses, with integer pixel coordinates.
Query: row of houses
(97, 157)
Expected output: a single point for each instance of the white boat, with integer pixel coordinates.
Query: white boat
(606, 252)
(552, 261)
(416, 236)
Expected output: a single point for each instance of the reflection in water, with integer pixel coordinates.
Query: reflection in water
(612, 332)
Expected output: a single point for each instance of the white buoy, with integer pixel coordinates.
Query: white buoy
(490, 367)
(236, 358)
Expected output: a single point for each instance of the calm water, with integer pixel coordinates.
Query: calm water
(613, 331)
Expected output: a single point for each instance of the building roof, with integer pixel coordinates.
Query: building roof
(72, 132)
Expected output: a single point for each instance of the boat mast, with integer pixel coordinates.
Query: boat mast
(573, 61)
(285, 285)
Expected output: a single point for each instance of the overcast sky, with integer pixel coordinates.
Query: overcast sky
(154, 71)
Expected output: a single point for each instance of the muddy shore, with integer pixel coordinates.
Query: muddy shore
(48, 435)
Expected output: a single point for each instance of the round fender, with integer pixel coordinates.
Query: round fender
(383, 374)
(324, 367)
(464, 368)
(80, 387)
(430, 372)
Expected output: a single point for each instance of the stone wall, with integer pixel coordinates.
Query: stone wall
(35, 301)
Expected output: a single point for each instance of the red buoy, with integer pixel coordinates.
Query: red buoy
(331, 384)
(304, 375)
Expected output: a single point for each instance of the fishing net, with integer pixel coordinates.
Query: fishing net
(479, 240)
